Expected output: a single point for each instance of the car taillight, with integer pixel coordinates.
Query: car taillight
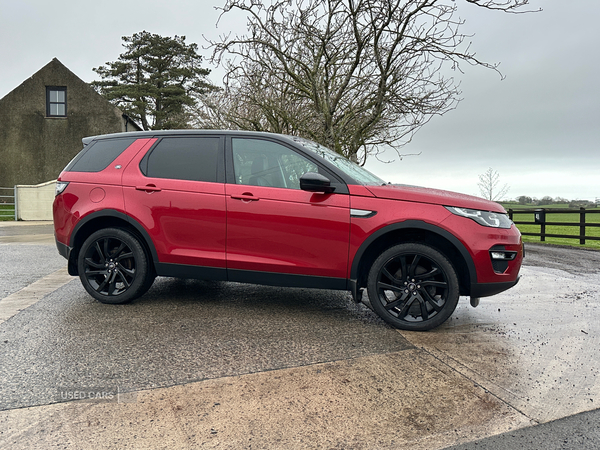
(60, 187)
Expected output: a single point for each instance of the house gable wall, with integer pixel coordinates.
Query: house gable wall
(35, 148)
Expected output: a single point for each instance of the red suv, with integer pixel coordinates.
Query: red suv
(277, 210)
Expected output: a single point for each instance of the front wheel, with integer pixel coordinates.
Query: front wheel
(413, 287)
(113, 266)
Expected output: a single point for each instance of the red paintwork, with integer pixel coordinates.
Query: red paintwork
(398, 203)
(479, 240)
(185, 219)
(287, 231)
(434, 196)
(388, 213)
(75, 203)
(270, 229)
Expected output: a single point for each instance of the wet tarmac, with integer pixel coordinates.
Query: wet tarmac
(225, 365)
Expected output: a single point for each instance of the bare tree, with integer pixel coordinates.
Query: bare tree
(262, 103)
(489, 185)
(354, 75)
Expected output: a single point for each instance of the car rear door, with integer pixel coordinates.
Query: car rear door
(276, 232)
(176, 191)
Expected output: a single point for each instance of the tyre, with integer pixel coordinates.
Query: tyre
(413, 287)
(114, 267)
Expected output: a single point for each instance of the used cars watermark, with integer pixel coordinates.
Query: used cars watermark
(105, 394)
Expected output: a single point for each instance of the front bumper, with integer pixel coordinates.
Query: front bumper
(488, 289)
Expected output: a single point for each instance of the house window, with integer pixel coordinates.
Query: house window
(56, 101)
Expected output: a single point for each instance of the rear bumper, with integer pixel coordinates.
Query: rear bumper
(64, 250)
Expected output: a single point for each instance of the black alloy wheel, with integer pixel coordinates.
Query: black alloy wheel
(413, 287)
(113, 266)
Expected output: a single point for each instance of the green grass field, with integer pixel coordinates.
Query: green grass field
(7, 212)
(558, 229)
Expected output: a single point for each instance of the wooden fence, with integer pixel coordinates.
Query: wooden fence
(540, 219)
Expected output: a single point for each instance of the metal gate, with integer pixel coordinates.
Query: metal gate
(8, 203)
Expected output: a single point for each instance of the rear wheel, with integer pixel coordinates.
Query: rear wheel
(113, 266)
(413, 287)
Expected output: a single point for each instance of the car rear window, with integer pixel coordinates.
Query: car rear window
(97, 155)
(183, 158)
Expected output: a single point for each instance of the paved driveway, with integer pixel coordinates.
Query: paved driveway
(224, 365)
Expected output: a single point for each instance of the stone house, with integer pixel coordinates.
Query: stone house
(43, 120)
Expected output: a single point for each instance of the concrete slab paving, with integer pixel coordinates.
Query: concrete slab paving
(397, 400)
(32, 233)
(180, 332)
(578, 432)
(536, 347)
(21, 265)
(24, 298)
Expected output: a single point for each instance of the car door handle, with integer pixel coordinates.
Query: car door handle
(245, 197)
(148, 188)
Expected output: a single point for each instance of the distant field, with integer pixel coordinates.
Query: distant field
(518, 206)
(558, 229)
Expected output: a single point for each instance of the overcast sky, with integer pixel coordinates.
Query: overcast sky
(538, 128)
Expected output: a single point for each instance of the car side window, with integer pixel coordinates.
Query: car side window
(258, 162)
(183, 158)
(98, 155)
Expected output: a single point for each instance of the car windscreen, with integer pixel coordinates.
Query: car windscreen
(353, 170)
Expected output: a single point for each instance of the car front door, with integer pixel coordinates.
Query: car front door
(276, 232)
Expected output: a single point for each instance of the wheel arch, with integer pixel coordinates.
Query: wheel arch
(419, 232)
(107, 218)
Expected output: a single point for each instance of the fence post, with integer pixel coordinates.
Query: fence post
(539, 216)
(510, 213)
(582, 225)
(15, 203)
(543, 232)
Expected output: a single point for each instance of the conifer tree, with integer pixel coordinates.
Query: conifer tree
(155, 81)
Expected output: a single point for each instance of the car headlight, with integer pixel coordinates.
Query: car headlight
(485, 218)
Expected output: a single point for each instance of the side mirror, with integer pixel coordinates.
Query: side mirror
(315, 182)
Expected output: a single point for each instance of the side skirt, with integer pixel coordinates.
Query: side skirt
(248, 276)
(288, 280)
(196, 272)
